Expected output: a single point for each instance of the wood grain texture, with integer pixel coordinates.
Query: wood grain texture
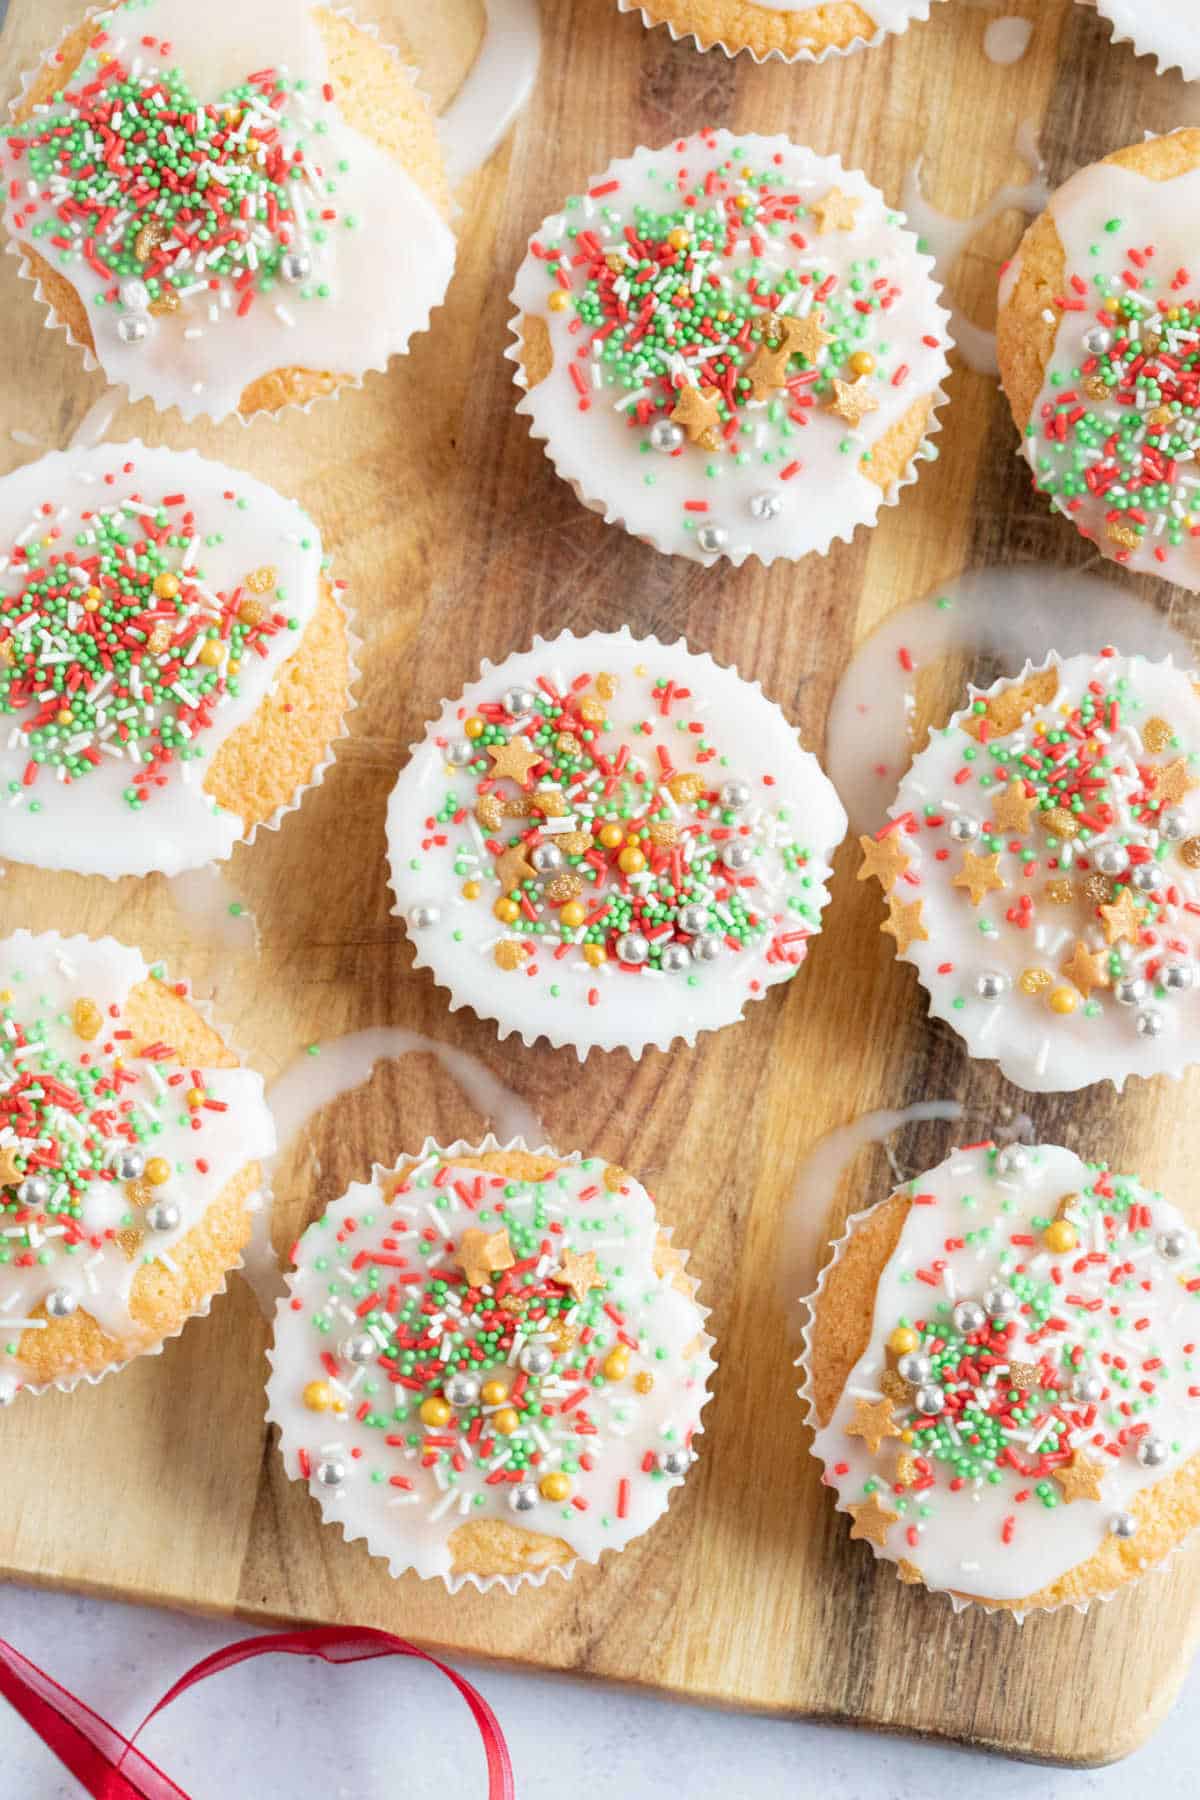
(459, 542)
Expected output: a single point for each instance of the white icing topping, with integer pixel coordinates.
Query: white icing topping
(1120, 449)
(372, 271)
(786, 478)
(1167, 29)
(224, 526)
(1113, 993)
(981, 1225)
(720, 731)
(149, 1115)
(600, 1431)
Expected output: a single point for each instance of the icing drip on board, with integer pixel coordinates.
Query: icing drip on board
(1006, 39)
(1006, 614)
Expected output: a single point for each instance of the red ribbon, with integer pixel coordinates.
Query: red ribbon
(110, 1767)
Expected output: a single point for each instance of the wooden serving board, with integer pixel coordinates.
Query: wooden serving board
(458, 542)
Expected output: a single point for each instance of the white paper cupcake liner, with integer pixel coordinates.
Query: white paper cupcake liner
(91, 1378)
(571, 463)
(1166, 30)
(354, 645)
(52, 321)
(398, 1566)
(916, 11)
(661, 1037)
(959, 1603)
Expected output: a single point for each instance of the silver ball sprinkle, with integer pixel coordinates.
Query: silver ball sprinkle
(735, 795)
(460, 754)
(1173, 825)
(1000, 1301)
(929, 1399)
(1145, 877)
(692, 918)
(360, 1348)
(675, 958)
(666, 437)
(8, 1390)
(632, 947)
(964, 829)
(133, 328)
(707, 947)
(128, 1165)
(991, 984)
(1152, 1451)
(969, 1316)
(1172, 1244)
(1129, 990)
(331, 1471)
(295, 265)
(1177, 978)
(1149, 1023)
(711, 540)
(766, 506)
(738, 855)
(134, 294)
(1098, 341)
(524, 1497)
(34, 1190)
(914, 1366)
(537, 1359)
(1111, 859)
(1123, 1525)
(1087, 1388)
(422, 917)
(519, 702)
(1012, 1160)
(547, 858)
(163, 1216)
(461, 1389)
(61, 1303)
(674, 1462)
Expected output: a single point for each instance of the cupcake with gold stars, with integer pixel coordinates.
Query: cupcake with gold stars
(732, 347)
(611, 843)
(274, 228)
(782, 30)
(1042, 871)
(490, 1363)
(132, 1147)
(174, 660)
(999, 1378)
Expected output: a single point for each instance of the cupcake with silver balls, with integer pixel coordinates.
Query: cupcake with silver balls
(731, 347)
(999, 1375)
(612, 843)
(131, 1159)
(490, 1363)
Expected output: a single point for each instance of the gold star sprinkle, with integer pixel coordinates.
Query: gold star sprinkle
(483, 1253)
(1172, 782)
(767, 369)
(1011, 811)
(904, 924)
(513, 760)
(578, 1273)
(979, 875)
(1079, 1479)
(1086, 968)
(883, 858)
(852, 400)
(872, 1422)
(835, 212)
(871, 1520)
(696, 410)
(512, 868)
(1121, 919)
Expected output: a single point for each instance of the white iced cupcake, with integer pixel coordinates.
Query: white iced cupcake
(174, 661)
(1000, 1375)
(611, 842)
(131, 1152)
(490, 1363)
(273, 228)
(1168, 30)
(788, 30)
(1042, 868)
(731, 347)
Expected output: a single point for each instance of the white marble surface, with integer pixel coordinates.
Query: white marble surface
(396, 1730)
